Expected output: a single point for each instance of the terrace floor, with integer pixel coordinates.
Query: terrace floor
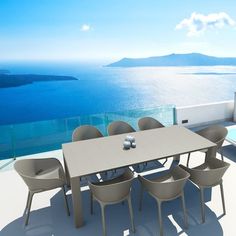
(48, 216)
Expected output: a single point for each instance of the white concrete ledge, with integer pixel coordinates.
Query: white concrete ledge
(205, 113)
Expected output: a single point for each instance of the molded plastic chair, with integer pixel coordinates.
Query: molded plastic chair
(119, 127)
(41, 175)
(112, 192)
(146, 123)
(214, 133)
(85, 132)
(166, 188)
(207, 175)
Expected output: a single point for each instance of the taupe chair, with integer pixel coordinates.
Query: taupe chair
(146, 123)
(119, 127)
(85, 132)
(166, 188)
(207, 175)
(112, 192)
(41, 175)
(214, 133)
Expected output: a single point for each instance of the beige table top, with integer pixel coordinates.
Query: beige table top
(100, 154)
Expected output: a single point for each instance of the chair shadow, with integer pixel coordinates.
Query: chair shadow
(54, 221)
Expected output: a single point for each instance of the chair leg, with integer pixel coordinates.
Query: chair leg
(202, 204)
(184, 211)
(91, 203)
(160, 218)
(29, 202)
(222, 156)
(188, 159)
(103, 220)
(66, 202)
(131, 214)
(222, 197)
(141, 199)
(165, 161)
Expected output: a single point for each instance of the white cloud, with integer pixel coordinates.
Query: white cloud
(85, 27)
(199, 23)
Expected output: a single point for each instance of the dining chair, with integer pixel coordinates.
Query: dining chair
(41, 175)
(165, 188)
(111, 192)
(146, 123)
(85, 132)
(214, 133)
(119, 127)
(207, 175)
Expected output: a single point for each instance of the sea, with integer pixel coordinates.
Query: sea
(100, 89)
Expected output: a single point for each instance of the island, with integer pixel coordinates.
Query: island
(3, 71)
(189, 59)
(11, 80)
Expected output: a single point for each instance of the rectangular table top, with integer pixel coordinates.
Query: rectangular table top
(101, 154)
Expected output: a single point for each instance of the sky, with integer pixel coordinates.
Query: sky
(111, 29)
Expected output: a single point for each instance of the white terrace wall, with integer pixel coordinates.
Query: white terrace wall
(206, 113)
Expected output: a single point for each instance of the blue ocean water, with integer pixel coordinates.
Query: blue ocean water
(104, 89)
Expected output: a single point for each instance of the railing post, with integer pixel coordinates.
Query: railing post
(234, 106)
(175, 116)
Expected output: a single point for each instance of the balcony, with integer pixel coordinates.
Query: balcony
(48, 216)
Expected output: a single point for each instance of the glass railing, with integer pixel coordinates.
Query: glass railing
(35, 137)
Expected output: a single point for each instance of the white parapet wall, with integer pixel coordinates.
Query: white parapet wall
(205, 113)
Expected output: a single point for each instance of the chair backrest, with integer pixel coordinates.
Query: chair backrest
(32, 171)
(114, 190)
(119, 127)
(215, 133)
(85, 132)
(168, 186)
(209, 173)
(149, 123)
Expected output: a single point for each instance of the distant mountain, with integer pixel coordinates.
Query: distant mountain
(8, 80)
(190, 59)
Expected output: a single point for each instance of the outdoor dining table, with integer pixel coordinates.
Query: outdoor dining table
(92, 156)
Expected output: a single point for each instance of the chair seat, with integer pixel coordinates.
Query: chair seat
(111, 181)
(52, 173)
(203, 167)
(164, 179)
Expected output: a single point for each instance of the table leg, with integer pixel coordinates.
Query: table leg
(211, 153)
(176, 158)
(66, 172)
(77, 201)
(175, 161)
